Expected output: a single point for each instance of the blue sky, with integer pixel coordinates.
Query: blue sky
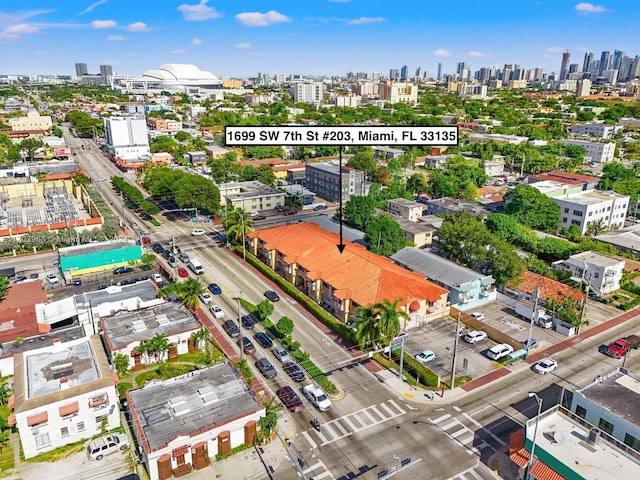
(324, 37)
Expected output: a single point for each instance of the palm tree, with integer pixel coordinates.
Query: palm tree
(143, 349)
(596, 228)
(389, 315)
(366, 323)
(199, 338)
(160, 345)
(190, 291)
(237, 224)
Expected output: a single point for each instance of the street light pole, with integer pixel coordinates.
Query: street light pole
(535, 433)
(534, 318)
(240, 328)
(455, 353)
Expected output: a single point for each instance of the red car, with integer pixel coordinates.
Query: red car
(290, 399)
(182, 272)
(289, 212)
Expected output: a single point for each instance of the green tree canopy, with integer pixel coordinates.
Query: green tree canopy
(532, 208)
(384, 235)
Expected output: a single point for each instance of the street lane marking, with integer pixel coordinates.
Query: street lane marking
(439, 419)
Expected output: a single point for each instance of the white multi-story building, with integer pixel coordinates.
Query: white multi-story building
(598, 129)
(406, 208)
(393, 92)
(352, 101)
(33, 121)
(606, 208)
(63, 393)
(603, 273)
(600, 152)
(127, 137)
(307, 92)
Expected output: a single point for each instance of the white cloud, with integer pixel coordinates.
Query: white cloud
(21, 29)
(101, 24)
(196, 41)
(555, 49)
(590, 8)
(441, 52)
(243, 45)
(92, 6)
(20, 16)
(116, 38)
(365, 20)
(178, 51)
(199, 12)
(257, 19)
(137, 27)
(476, 54)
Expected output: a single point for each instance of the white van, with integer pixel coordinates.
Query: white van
(97, 449)
(196, 266)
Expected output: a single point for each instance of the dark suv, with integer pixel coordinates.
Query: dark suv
(266, 368)
(122, 270)
(231, 328)
(158, 248)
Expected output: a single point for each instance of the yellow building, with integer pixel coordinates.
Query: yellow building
(33, 121)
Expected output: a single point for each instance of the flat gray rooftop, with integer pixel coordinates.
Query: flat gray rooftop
(75, 361)
(618, 393)
(169, 318)
(40, 341)
(143, 290)
(191, 403)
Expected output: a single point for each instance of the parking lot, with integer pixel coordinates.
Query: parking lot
(440, 335)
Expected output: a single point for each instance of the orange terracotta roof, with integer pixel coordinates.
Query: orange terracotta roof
(566, 177)
(539, 470)
(356, 274)
(547, 287)
(18, 312)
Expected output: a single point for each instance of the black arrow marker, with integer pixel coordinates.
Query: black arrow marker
(340, 245)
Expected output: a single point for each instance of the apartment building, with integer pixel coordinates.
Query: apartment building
(32, 121)
(352, 101)
(603, 273)
(600, 152)
(606, 208)
(311, 92)
(252, 196)
(393, 92)
(63, 393)
(596, 129)
(324, 179)
(406, 208)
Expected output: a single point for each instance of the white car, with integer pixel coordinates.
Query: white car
(206, 297)
(198, 232)
(217, 311)
(477, 315)
(474, 336)
(499, 351)
(425, 356)
(156, 277)
(317, 397)
(52, 278)
(545, 366)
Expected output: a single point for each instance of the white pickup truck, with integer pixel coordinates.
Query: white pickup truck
(317, 397)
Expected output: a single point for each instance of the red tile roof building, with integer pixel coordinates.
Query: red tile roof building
(18, 311)
(547, 288)
(308, 257)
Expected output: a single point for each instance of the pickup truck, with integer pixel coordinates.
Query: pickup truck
(317, 397)
(621, 347)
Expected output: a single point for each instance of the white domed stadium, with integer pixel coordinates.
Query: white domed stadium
(172, 77)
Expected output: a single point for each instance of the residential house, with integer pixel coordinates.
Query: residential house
(599, 152)
(197, 158)
(447, 205)
(18, 319)
(63, 393)
(404, 208)
(603, 273)
(306, 256)
(524, 288)
(124, 331)
(467, 288)
(585, 182)
(252, 196)
(324, 179)
(181, 424)
(627, 239)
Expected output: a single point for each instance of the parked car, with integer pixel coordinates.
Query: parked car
(290, 399)
(530, 345)
(259, 217)
(289, 212)
(172, 261)
(231, 328)
(272, 296)
(18, 278)
(474, 336)
(317, 397)
(545, 366)
(248, 321)
(217, 311)
(144, 241)
(122, 270)
(182, 272)
(157, 248)
(499, 351)
(156, 277)
(183, 257)
(254, 214)
(319, 207)
(206, 298)
(98, 448)
(198, 232)
(281, 354)
(425, 356)
(214, 288)
(263, 340)
(175, 250)
(477, 315)
(52, 278)
(247, 345)
(294, 371)
(266, 368)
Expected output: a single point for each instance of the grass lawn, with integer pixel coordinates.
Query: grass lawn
(164, 371)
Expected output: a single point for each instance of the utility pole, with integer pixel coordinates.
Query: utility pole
(534, 317)
(455, 353)
(401, 353)
(240, 328)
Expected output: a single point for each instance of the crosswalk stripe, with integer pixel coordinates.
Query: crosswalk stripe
(475, 475)
(321, 436)
(459, 432)
(309, 439)
(467, 438)
(347, 421)
(327, 427)
(377, 412)
(339, 426)
(373, 420)
(440, 419)
(388, 410)
(450, 424)
(402, 412)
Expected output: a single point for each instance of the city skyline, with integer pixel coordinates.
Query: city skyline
(318, 37)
